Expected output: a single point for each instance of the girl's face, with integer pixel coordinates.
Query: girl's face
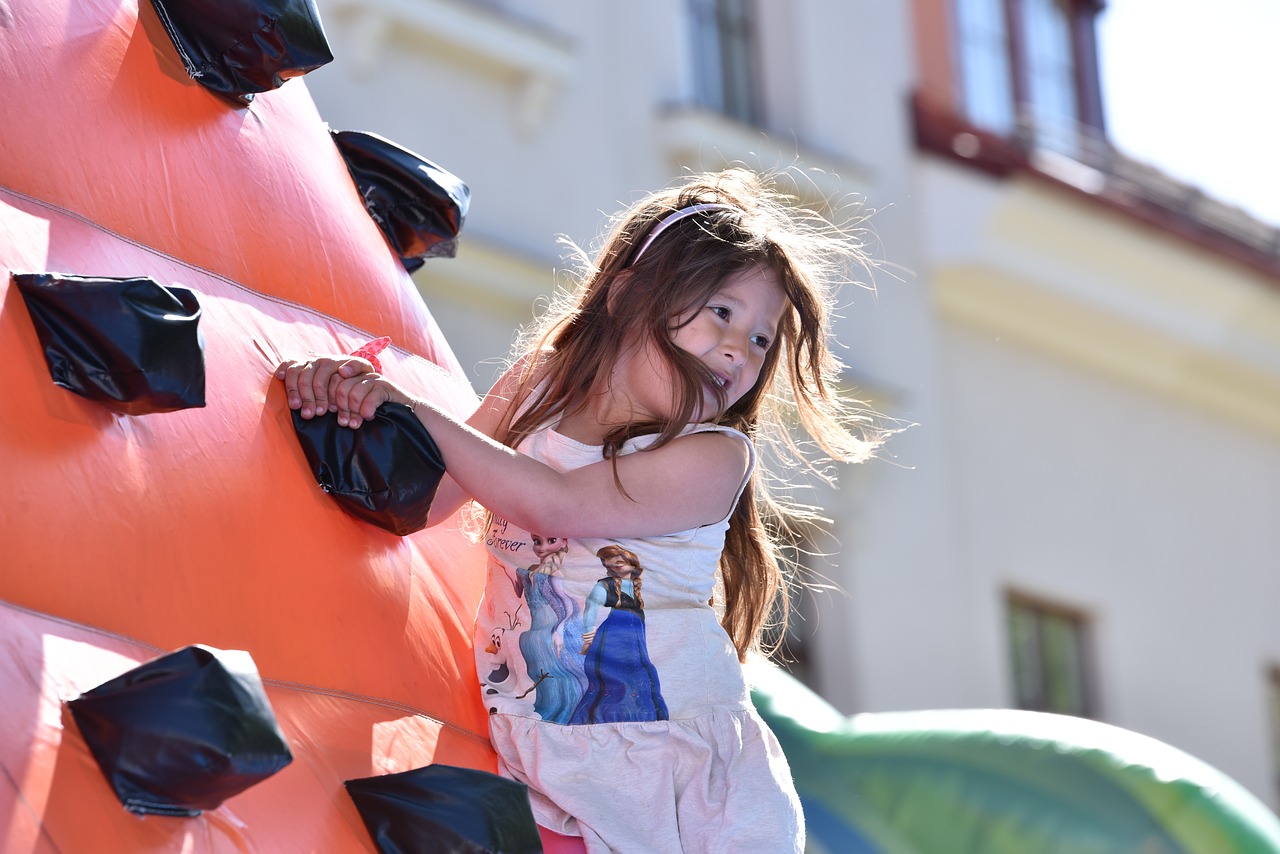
(733, 332)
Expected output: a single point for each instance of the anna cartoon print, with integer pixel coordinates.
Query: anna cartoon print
(622, 683)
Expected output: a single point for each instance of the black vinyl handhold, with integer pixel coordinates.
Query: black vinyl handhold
(182, 733)
(419, 206)
(238, 48)
(385, 472)
(132, 345)
(441, 808)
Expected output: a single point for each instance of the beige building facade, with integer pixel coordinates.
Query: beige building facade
(1083, 516)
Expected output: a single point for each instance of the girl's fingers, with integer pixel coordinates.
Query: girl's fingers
(350, 395)
(352, 366)
(289, 372)
(305, 393)
(377, 396)
(332, 390)
(321, 372)
(359, 397)
(341, 398)
(346, 385)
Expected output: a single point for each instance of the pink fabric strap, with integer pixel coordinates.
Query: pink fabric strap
(370, 351)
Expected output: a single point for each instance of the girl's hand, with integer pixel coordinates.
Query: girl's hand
(357, 398)
(347, 385)
(311, 385)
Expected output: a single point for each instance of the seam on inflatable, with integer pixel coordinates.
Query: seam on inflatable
(220, 277)
(277, 683)
(376, 701)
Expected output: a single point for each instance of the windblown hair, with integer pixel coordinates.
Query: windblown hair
(569, 357)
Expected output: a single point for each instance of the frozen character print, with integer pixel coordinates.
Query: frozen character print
(550, 644)
(501, 670)
(622, 683)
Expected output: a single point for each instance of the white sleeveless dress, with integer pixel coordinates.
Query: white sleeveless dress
(622, 705)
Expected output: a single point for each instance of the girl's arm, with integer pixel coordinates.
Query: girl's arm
(689, 482)
(486, 421)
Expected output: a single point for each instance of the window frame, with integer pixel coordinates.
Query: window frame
(732, 27)
(1043, 609)
(1082, 29)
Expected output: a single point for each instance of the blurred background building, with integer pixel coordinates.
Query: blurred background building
(1084, 518)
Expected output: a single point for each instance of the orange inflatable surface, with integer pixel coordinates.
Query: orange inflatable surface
(123, 537)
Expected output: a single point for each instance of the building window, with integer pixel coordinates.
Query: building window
(985, 75)
(1048, 646)
(724, 56)
(1273, 700)
(1030, 67)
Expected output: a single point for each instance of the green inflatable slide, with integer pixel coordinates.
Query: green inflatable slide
(999, 781)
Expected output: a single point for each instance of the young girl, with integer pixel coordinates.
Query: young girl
(627, 427)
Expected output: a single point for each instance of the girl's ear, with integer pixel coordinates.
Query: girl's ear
(616, 287)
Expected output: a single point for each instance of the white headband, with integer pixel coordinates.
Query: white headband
(672, 218)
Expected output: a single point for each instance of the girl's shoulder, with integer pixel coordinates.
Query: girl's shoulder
(699, 444)
(734, 434)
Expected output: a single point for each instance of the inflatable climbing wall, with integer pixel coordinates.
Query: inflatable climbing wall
(132, 529)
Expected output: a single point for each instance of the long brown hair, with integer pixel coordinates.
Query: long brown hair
(569, 357)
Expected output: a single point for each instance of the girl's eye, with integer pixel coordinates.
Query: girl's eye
(720, 311)
(760, 341)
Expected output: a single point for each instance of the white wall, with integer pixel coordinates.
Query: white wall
(1154, 519)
